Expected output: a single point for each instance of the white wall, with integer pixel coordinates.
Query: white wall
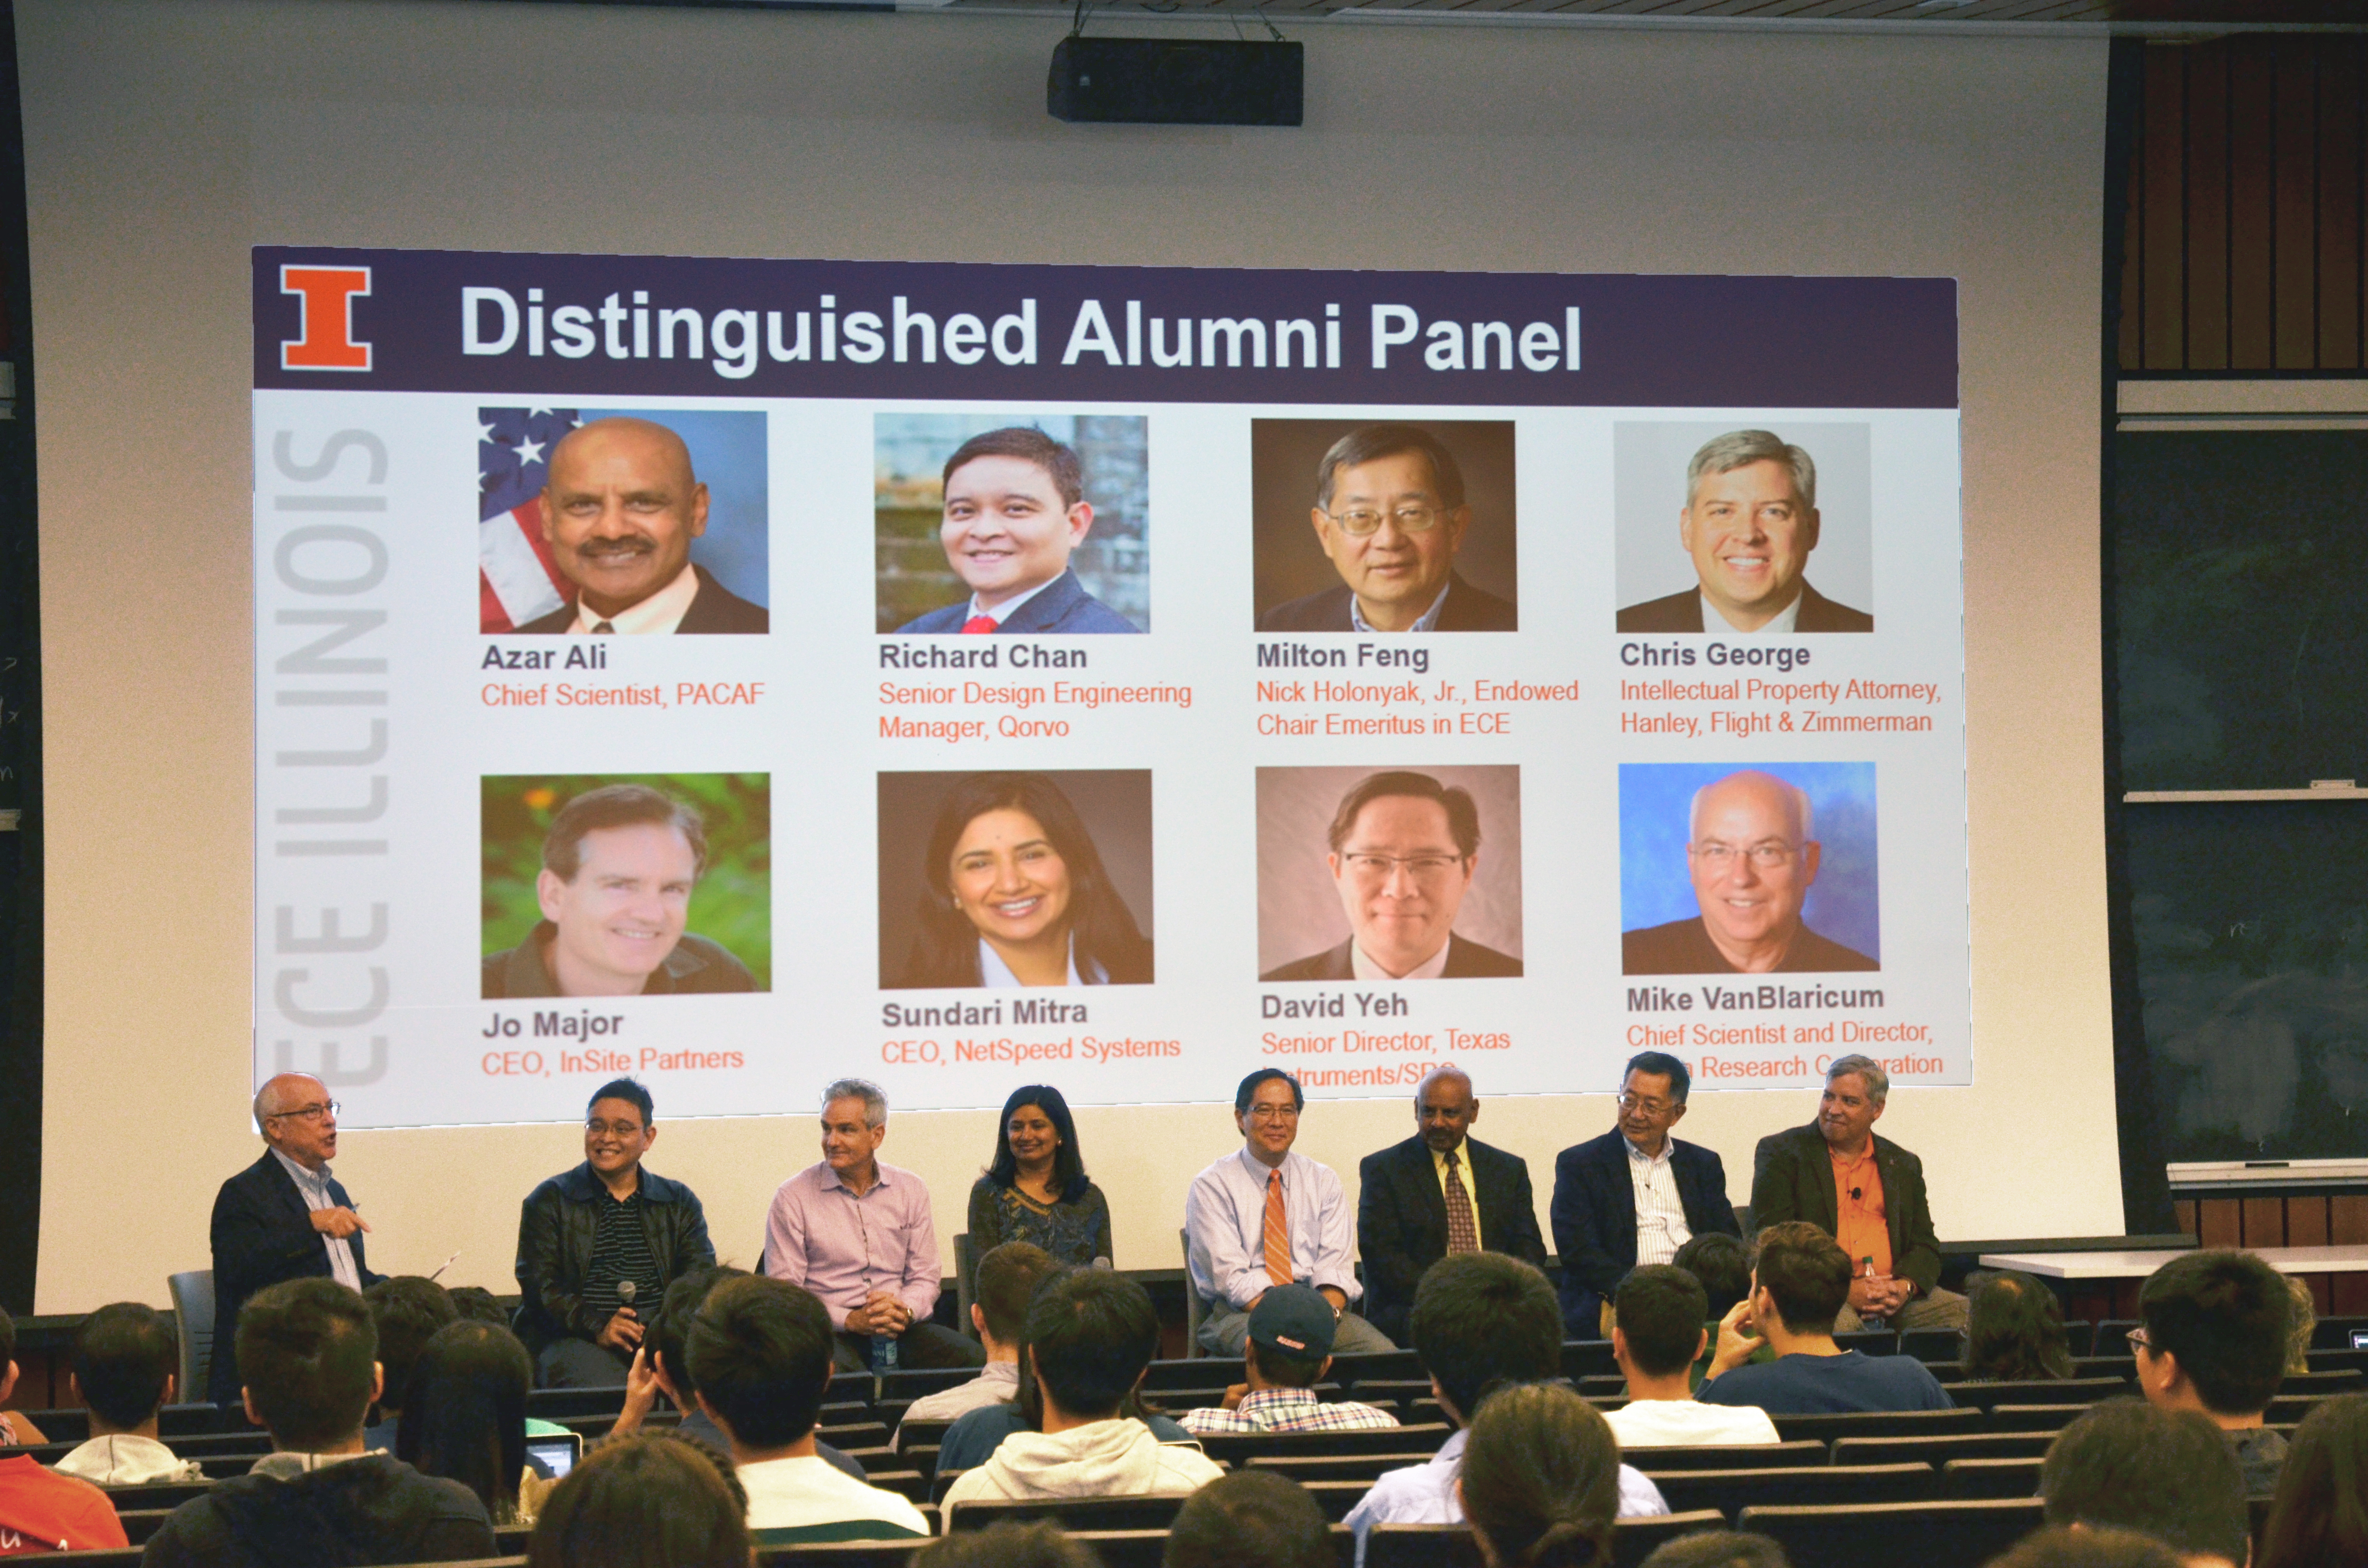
(164, 139)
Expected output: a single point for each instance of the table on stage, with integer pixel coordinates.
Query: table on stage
(2105, 1284)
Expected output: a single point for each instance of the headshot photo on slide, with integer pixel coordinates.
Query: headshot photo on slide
(622, 521)
(986, 523)
(996, 880)
(1371, 526)
(1384, 873)
(1759, 868)
(626, 885)
(1743, 530)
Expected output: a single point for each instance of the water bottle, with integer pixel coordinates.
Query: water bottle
(883, 1352)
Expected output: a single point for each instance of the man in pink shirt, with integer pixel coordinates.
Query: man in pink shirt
(858, 1234)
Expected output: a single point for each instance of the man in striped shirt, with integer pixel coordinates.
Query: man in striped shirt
(1288, 1348)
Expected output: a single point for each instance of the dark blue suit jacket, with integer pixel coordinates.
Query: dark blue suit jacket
(1594, 1216)
(263, 1234)
(1064, 608)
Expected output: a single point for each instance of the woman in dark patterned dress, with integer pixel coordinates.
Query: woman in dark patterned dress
(1036, 1190)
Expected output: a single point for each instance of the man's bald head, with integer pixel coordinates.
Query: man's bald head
(1762, 789)
(298, 1117)
(620, 508)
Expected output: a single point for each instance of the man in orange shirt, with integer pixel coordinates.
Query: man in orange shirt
(1868, 1194)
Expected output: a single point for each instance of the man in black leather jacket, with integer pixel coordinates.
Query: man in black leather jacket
(586, 1236)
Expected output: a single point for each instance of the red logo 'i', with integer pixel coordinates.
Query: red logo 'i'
(326, 332)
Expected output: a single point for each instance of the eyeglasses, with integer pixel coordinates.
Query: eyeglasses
(1274, 1113)
(1421, 868)
(1649, 1107)
(2138, 1337)
(615, 1128)
(308, 1113)
(1768, 854)
(1362, 520)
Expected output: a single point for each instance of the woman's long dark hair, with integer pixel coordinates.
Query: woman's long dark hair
(1103, 930)
(2321, 1513)
(464, 1412)
(2014, 1329)
(1541, 1478)
(1068, 1164)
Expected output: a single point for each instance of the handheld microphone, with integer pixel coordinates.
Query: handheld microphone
(627, 1290)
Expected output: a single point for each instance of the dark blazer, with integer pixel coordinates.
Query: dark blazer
(1594, 1217)
(1467, 609)
(716, 609)
(262, 1235)
(1683, 612)
(1402, 1221)
(558, 1226)
(1064, 608)
(696, 966)
(1683, 946)
(1792, 1178)
(1465, 961)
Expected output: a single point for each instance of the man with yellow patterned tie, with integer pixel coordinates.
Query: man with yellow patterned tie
(1441, 1191)
(1264, 1216)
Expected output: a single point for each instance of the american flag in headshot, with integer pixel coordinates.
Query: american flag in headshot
(517, 579)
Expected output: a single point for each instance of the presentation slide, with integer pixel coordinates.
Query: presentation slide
(742, 673)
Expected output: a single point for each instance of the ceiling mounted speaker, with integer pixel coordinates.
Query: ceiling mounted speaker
(1144, 81)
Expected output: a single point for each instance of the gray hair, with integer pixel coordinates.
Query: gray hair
(1444, 1070)
(1800, 797)
(875, 1102)
(1741, 448)
(1878, 1081)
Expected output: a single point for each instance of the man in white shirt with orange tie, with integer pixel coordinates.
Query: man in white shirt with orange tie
(1265, 1216)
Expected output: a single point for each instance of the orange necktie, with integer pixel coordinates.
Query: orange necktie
(1277, 1233)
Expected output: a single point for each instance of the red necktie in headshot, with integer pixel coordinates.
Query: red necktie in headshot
(978, 623)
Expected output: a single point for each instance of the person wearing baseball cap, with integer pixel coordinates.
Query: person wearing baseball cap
(1290, 1347)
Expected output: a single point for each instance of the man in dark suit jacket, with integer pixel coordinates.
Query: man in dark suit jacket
(1403, 850)
(1402, 1218)
(620, 508)
(1390, 515)
(284, 1217)
(1015, 509)
(1749, 522)
(1603, 1226)
(1887, 1218)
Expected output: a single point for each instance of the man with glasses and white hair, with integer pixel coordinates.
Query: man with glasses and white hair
(1867, 1193)
(284, 1217)
(857, 1235)
(1404, 848)
(1634, 1196)
(1390, 513)
(1752, 853)
(1749, 522)
(1266, 1215)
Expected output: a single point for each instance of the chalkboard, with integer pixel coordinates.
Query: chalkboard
(2240, 560)
(2243, 664)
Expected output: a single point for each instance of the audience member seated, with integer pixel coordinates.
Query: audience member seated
(1723, 1264)
(1800, 1280)
(1091, 1334)
(1010, 1545)
(971, 1440)
(477, 1304)
(1251, 1519)
(408, 1309)
(2304, 1324)
(1718, 1549)
(2214, 1341)
(2014, 1331)
(2163, 1473)
(760, 1351)
(307, 1358)
(1541, 1480)
(124, 1362)
(13, 1426)
(1006, 1276)
(41, 1511)
(2057, 1547)
(2321, 1515)
(651, 1500)
(1288, 1347)
(1480, 1320)
(1658, 1333)
(464, 1417)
